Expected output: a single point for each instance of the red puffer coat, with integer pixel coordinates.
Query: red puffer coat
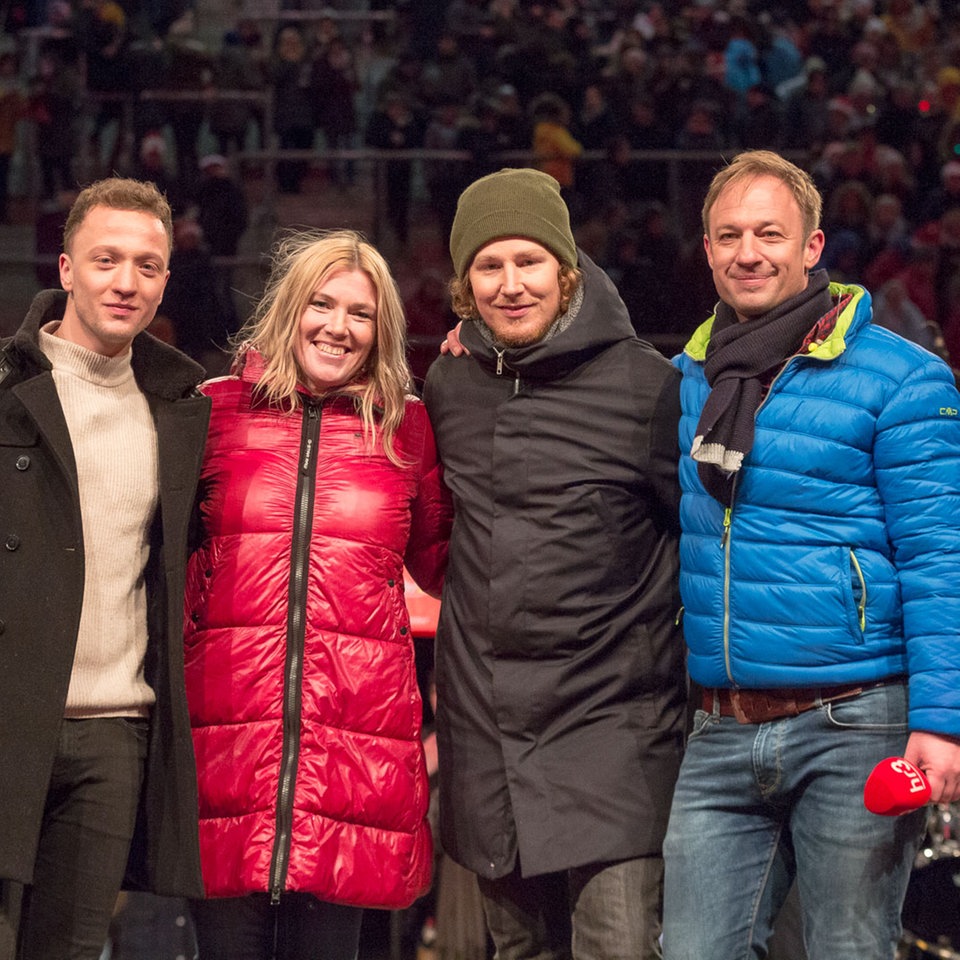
(299, 658)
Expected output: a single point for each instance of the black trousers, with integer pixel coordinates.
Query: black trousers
(300, 927)
(88, 823)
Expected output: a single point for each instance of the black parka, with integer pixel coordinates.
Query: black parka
(559, 662)
(41, 591)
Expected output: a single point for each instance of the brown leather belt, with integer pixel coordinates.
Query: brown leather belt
(759, 706)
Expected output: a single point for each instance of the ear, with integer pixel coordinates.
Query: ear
(813, 249)
(66, 272)
(706, 247)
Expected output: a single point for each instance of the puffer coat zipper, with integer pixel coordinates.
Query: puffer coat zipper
(296, 627)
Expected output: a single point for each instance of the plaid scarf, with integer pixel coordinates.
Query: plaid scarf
(738, 356)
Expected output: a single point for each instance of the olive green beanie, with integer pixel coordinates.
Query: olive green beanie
(511, 203)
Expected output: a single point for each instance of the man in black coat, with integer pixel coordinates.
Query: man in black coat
(559, 661)
(101, 437)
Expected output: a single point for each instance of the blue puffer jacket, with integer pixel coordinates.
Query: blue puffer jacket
(839, 561)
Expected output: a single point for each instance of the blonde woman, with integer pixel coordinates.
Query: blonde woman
(320, 481)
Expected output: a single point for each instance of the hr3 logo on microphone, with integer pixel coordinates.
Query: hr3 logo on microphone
(915, 779)
(895, 786)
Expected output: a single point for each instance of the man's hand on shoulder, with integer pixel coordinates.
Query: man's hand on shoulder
(452, 344)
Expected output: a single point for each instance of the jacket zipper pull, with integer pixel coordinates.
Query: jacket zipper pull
(313, 413)
(726, 527)
(499, 354)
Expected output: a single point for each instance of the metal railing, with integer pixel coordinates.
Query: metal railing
(268, 155)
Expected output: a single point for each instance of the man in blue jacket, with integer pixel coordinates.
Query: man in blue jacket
(820, 468)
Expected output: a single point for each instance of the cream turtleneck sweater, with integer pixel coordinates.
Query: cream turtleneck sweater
(115, 448)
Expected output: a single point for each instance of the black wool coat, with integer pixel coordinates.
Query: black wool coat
(559, 669)
(41, 590)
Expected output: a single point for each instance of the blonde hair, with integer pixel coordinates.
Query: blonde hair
(765, 163)
(301, 262)
(464, 303)
(119, 193)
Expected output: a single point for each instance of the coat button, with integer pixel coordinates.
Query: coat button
(391, 583)
(12, 542)
(195, 617)
(403, 631)
(23, 462)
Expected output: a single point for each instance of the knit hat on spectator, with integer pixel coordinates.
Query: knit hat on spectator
(153, 143)
(212, 160)
(511, 203)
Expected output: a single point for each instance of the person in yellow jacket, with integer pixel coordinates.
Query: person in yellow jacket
(555, 149)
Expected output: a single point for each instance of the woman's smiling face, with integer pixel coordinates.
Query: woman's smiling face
(338, 329)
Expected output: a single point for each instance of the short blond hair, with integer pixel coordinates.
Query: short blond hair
(765, 163)
(301, 262)
(119, 193)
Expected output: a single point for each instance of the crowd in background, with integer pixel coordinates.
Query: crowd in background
(863, 93)
(630, 105)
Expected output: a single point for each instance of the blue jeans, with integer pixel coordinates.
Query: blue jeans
(607, 911)
(757, 804)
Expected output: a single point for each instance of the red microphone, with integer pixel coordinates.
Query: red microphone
(895, 786)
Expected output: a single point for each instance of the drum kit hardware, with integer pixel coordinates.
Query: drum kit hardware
(931, 910)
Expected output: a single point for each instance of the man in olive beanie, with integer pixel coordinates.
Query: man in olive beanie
(559, 662)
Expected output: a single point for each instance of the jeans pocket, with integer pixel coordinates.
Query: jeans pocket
(882, 708)
(703, 720)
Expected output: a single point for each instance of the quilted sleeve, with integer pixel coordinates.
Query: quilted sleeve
(917, 463)
(431, 516)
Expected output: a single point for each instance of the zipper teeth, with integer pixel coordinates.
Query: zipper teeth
(727, 537)
(726, 594)
(300, 551)
(862, 605)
